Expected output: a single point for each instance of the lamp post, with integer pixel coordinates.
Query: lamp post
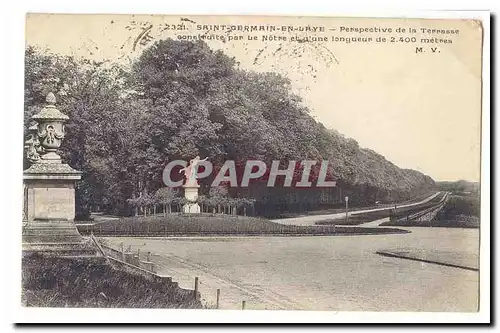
(346, 209)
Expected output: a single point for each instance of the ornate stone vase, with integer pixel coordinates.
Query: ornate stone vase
(50, 129)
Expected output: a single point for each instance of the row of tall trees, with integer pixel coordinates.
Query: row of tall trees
(181, 99)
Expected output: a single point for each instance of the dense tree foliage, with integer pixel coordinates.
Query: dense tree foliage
(182, 99)
(459, 206)
(459, 187)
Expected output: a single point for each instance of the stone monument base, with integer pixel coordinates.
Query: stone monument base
(51, 231)
(50, 204)
(58, 237)
(191, 208)
(191, 194)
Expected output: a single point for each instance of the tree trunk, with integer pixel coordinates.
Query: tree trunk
(164, 210)
(245, 211)
(136, 208)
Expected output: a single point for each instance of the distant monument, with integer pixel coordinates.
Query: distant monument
(191, 186)
(49, 186)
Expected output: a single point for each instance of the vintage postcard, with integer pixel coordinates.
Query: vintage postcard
(252, 163)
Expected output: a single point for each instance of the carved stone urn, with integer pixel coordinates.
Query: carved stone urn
(50, 130)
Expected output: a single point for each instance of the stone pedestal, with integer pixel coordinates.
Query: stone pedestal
(191, 194)
(50, 208)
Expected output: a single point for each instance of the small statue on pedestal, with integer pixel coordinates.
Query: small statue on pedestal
(191, 185)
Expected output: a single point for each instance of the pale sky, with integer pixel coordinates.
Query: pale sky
(420, 110)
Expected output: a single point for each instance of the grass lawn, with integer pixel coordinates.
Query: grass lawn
(357, 219)
(49, 281)
(208, 225)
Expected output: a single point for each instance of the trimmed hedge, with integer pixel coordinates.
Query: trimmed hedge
(208, 225)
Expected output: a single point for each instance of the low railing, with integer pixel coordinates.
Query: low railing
(126, 256)
(435, 208)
